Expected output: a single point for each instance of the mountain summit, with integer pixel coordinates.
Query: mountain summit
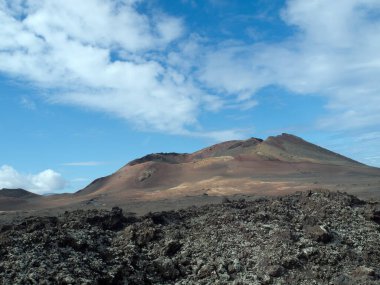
(284, 147)
(254, 167)
(277, 165)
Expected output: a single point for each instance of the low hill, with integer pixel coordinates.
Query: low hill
(17, 199)
(17, 193)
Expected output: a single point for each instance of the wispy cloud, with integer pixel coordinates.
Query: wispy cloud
(333, 53)
(150, 71)
(362, 145)
(28, 103)
(84, 163)
(103, 56)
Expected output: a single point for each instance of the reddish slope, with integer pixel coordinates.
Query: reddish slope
(278, 165)
(279, 162)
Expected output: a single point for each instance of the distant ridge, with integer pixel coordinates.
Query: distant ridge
(285, 147)
(16, 193)
(169, 157)
(278, 165)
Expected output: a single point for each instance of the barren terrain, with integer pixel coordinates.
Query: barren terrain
(310, 237)
(252, 168)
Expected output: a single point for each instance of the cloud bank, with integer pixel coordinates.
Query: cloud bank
(144, 66)
(334, 52)
(103, 55)
(44, 182)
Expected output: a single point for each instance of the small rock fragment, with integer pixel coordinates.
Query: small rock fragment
(319, 233)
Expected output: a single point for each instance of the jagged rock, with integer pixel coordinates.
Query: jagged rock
(276, 270)
(204, 271)
(172, 248)
(363, 271)
(166, 268)
(146, 174)
(374, 214)
(225, 200)
(343, 280)
(267, 241)
(319, 233)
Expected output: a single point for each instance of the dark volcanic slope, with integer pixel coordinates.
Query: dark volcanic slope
(306, 238)
(16, 193)
(11, 199)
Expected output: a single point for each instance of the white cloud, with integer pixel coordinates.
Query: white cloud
(108, 56)
(44, 182)
(103, 55)
(334, 52)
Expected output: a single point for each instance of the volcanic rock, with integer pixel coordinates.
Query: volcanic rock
(266, 241)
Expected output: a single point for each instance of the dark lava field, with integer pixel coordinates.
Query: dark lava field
(313, 237)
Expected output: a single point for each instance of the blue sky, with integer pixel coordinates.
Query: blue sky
(86, 86)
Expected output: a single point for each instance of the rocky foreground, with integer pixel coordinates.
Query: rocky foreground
(318, 237)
